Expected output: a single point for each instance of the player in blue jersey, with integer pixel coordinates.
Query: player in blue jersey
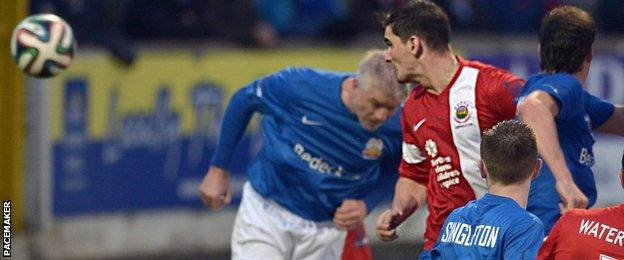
(331, 149)
(497, 226)
(563, 115)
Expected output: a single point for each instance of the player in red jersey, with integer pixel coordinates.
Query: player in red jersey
(587, 233)
(443, 118)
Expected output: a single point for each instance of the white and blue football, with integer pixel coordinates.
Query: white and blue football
(43, 45)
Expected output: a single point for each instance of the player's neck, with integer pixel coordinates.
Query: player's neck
(581, 75)
(441, 74)
(517, 192)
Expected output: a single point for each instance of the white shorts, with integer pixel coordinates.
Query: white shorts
(265, 230)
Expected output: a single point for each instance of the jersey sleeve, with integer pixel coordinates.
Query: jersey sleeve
(413, 164)
(260, 96)
(524, 241)
(598, 110)
(548, 249)
(503, 91)
(568, 93)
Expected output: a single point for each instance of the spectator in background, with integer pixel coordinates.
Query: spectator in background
(599, 231)
(507, 16)
(611, 15)
(301, 18)
(233, 21)
(95, 22)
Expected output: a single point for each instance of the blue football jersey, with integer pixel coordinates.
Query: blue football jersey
(493, 227)
(579, 113)
(315, 153)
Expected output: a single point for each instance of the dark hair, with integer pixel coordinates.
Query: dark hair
(623, 160)
(566, 37)
(509, 151)
(424, 19)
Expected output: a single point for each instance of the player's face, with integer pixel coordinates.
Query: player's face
(398, 52)
(374, 106)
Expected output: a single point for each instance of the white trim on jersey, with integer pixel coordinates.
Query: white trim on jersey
(465, 128)
(412, 154)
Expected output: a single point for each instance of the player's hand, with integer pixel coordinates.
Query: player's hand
(387, 224)
(215, 188)
(571, 196)
(350, 214)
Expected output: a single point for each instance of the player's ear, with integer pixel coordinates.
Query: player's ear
(590, 56)
(416, 46)
(355, 82)
(537, 168)
(482, 169)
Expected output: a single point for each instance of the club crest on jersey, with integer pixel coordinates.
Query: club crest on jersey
(373, 149)
(462, 112)
(431, 147)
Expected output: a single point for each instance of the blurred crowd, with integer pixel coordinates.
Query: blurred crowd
(115, 24)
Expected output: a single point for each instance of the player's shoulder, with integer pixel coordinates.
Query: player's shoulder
(457, 214)
(489, 73)
(306, 76)
(465, 210)
(594, 213)
(521, 220)
(558, 81)
(290, 72)
(531, 219)
(312, 72)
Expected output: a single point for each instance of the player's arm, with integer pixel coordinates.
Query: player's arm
(501, 103)
(256, 97)
(615, 123)
(352, 212)
(215, 188)
(408, 195)
(604, 116)
(523, 241)
(539, 110)
(410, 189)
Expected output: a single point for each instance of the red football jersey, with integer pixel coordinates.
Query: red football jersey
(442, 136)
(587, 234)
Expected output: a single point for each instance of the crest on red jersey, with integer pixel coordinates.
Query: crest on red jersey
(462, 111)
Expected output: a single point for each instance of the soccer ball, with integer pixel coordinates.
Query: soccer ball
(42, 45)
